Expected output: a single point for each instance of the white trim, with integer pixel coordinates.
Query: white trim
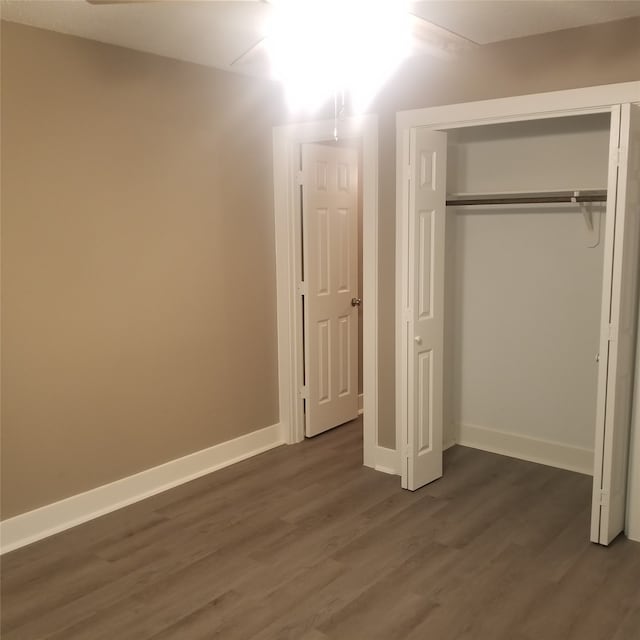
(549, 452)
(286, 143)
(360, 404)
(46, 521)
(632, 528)
(387, 460)
(527, 107)
(402, 276)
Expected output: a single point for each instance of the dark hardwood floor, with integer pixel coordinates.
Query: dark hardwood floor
(304, 543)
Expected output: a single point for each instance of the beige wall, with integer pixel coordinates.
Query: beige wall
(138, 278)
(587, 56)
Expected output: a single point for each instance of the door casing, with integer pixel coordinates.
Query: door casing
(286, 152)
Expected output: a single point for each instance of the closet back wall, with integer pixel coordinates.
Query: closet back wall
(138, 278)
(525, 287)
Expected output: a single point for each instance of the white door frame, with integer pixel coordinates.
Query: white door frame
(573, 102)
(286, 144)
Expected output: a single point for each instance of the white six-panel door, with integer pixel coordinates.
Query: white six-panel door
(619, 333)
(330, 259)
(424, 313)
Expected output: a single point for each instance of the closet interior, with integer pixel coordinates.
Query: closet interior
(523, 291)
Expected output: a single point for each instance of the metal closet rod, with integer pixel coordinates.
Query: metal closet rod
(560, 197)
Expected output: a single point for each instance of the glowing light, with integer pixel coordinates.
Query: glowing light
(322, 47)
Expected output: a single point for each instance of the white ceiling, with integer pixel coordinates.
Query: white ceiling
(210, 33)
(485, 21)
(216, 33)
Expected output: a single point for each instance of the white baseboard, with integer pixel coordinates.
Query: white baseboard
(388, 461)
(360, 404)
(547, 452)
(45, 521)
(554, 454)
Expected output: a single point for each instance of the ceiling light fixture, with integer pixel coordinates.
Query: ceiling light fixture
(323, 49)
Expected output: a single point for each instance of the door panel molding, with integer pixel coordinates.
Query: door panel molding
(330, 260)
(422, 305)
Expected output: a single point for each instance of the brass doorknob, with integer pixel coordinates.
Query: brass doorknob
(356, 302)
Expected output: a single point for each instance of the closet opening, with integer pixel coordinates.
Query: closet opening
(518, 302)
(523, 287)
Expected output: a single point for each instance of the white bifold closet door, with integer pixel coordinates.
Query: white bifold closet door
(330, 259)
(423, 324)
(619, 322)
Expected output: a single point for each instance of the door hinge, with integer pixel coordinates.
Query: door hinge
(299, 178)
(303, 392)
(604, 498)
(302, 288)
(613, 333)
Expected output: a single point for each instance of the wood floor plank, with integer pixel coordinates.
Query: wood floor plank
(303, 543)
(559, 611)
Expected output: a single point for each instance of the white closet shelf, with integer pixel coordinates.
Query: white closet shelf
(569, 196)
